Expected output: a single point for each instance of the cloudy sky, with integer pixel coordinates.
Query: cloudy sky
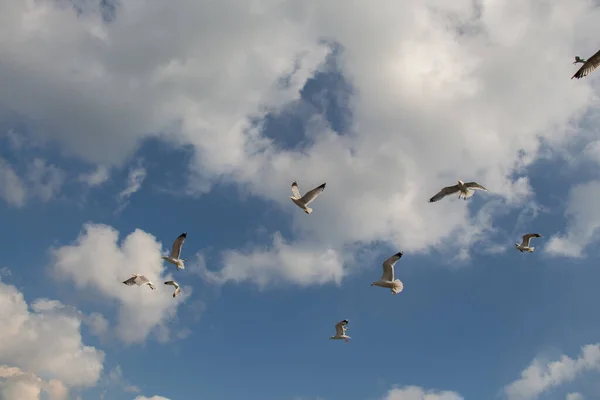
(125, 123)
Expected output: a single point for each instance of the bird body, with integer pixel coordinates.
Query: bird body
(173, 258)
(464, 189)
(387, 278)
(588, 66)
(176, 285)
(524, 245)
(310, 196)
(340, 331)
(139, 280)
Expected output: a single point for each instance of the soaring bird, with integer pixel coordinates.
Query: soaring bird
(176, 252)
(139, 280)
(588, 66)
(340, 331)
(387, 278)
(524, 245)
(177, 290)
(309, 197)
(466, 190)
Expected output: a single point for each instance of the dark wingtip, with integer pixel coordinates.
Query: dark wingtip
(323, 185)
(294, 183)
(399, 254)
(346, 321)
(184, 234)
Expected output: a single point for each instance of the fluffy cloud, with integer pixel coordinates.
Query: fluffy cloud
(44, 341)
(96, 177)
(574, 396)
(151, 398)
(542, 376)
(42, 181)
(584, 220)
(135, 178)
(281, 263)
(440, 93)
(418, 393)
(140, 310)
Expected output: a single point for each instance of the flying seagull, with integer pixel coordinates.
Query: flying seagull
(139, 280)
(588, 66)
(177, 290)
(340, 331)
(387, 278)
(176, 252)
(465, 190)
(309, 197)
(524, 245)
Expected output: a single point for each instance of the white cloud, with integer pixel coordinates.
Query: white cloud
(151, 398)
(97, 323)
(96, 177)
(440, 93)
(12, 189)
(135, 178)
(16, 384)
(583, 221)
(574, 396)
(140, 310)
(282, 262)
(45, 341)
(418, 393)
(542, 376)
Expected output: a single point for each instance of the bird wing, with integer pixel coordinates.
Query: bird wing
(340, 327)
(141, 279)
(388, 267)
(527, 238)
(295, 190)
(310, 196)
(590, 65)
(475, 185)
(443, 193)
(177, 244)
(130, 281)
(172, 283)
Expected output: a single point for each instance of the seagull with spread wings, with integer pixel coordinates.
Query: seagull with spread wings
(139, 280)
(309, 197)
(465, 190)
(173, 258)
(588, 66)
(524, 245)
(340, 331)
(176, 285)
(387, 278)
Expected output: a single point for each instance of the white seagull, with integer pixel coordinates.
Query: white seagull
(177, 290)
(524, 245)
(387, 278)
(176, 252)
(588, 66)
(340, 331)
(309, 197)
(465, 190)
(139, 280)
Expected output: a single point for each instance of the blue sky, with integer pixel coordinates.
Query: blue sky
(124, 125)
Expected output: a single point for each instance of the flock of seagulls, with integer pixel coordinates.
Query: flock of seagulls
(465, 190)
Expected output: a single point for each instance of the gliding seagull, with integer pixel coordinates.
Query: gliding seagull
(340, 331)
(466, 190)
(177, 290)
(176, 252)
(524, 245)
(139, 280)
(588, 66)
(309, 197)
(387, 278)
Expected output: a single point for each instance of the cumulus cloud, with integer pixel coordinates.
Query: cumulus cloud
(135, 178)
(541, 376)
(583, 218)
(574, 396)
(439, 93)
(44, 341)
(42, 181)
(151, 398)
(12, 189)
(281, 262)
(108, 264)
(96, 177)
(418, 393)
